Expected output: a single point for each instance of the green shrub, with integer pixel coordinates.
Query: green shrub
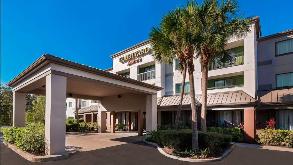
(71, 125)
(180, 140)
(82, 127)
(236, 133)
(8, 134)
(93, 126)
(37, 112)
(120, 127)
(215, 142)
(30, 138)
(275, 137)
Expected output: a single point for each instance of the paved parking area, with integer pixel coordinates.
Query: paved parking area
(129, 150)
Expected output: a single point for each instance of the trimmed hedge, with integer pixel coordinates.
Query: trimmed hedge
(30, 138)
(180, 140)
(236, 133)
(275, 137)
(73, 126)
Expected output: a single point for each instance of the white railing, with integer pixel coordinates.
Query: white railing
(146, 75)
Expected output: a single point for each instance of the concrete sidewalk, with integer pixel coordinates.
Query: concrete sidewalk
(272, 148)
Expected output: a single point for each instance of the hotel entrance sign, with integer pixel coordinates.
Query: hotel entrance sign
(135, 57)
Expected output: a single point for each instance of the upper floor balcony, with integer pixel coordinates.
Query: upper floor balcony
(146, 73)
(235, 57)
(226, 82)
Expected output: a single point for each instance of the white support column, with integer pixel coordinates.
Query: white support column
(108, 121)
(160, 77)
(133, 72)
(151, 112)
(113, 121)
(19, 105)
(101, 119)
(55, 114)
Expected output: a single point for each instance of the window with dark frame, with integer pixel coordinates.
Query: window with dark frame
(284, 80)
(178, 88)
(284, 47)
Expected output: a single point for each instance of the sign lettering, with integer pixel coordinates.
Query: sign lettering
(134, 57)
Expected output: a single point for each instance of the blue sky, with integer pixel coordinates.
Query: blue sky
(89, 31)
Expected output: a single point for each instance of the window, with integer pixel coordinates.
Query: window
(235, 57)
(178, 88)
(227, 82)
(146, 73)
(177, 66)
(284, 80)
(284, 47)
(83, 103)
(227, 118)
(285, 119)
(147, 69)
(220, 83)
(70, 104)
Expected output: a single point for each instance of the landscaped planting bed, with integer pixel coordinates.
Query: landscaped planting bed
(178, 142)
(30, 138)
(275, 137)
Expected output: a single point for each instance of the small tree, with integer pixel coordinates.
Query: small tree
(37, 113)
(5, 106)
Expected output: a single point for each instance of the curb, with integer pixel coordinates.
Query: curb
(265, 147)
(226, 153)
(35, 158)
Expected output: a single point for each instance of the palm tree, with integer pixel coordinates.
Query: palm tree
(183, 68)
(217, 22)
(175, 38)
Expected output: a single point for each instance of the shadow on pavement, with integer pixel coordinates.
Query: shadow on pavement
(135, 152)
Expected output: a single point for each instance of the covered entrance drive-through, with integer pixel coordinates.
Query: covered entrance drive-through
(58, 79)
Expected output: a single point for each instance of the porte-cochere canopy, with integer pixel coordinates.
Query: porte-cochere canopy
(57, 79)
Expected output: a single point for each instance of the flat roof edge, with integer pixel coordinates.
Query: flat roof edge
(280, 34)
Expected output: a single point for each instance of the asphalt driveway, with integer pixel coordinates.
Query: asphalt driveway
(132, 151)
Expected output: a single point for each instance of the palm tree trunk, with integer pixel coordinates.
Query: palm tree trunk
(76, 110)
(178, 114)
(193, 111)
(204, 79)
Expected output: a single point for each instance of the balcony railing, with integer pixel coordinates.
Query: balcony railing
(146, 75)
(234, 61)
(226, 86)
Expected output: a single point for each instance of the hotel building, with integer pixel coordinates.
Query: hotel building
(139, 93)
(247, 90)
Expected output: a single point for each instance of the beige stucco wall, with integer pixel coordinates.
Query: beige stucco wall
(269, 65)
(147, 59)
(127, 102)
(248, 69)
(167, 76)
